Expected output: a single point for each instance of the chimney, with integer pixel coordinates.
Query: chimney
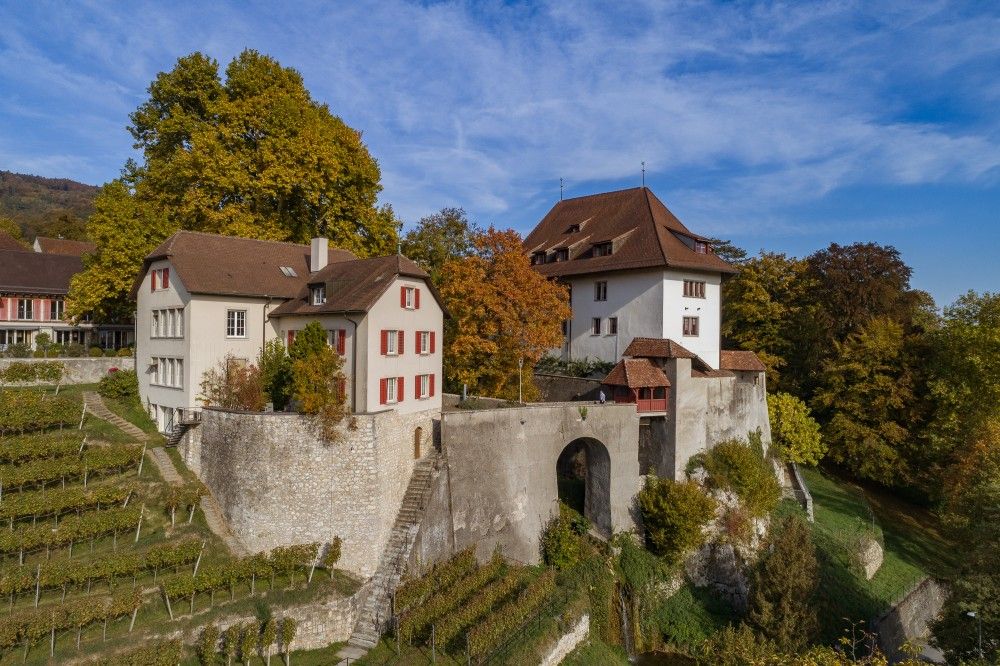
(318, 255)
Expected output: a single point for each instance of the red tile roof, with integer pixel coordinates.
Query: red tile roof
(636, 373)
(743, 361)
(657, 348)
(24, 272)
(645, 234)
(72, 248)
(8, 242)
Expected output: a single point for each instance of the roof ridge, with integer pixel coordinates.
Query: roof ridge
(598, 194)
(244, 238)
(652, 220)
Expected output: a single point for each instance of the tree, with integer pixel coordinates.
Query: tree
(502, 313)
(233, 384)
(795, 434)
(728, 251)
(231, 642)
(268, 634)
(11, 228)
(764, 307)
(252, 155)
(288, 629)
(248, 641)
(208, 644)
(867, 398)
(275, 372)
(317, 381)
(310, 341)
(674, 514)
(783, 588)
(438, 239)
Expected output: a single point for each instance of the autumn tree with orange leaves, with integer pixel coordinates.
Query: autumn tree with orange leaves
(501, 311)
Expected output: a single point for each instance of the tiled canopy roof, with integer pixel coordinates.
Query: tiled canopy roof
(353, 286)
(643, 233)
(657, 348)
(743, 361)
(25, 272)
(233, 266)
(73, 248)
(636, 373)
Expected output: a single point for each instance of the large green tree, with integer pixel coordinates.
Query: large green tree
(439, 238)
(250, 154)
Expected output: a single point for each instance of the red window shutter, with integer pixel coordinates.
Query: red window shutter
(432, 344)
(152, 280)
(166, 278)
(37, 313)
(430, 391)
(385, 342)
(342, 341)
(382, 396)
(43, 313)
(416, 386)
(416, 299)
(402, 297)
(291, 338)
(399, 350)
(416, 342)
(399, 389)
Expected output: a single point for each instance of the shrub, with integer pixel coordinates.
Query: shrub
(19, 350)
(794, 433)
(95, 352)
(121, 385)
(110, 353)
(46, 371)
(125, 352)
(26, 411)
(74, 350)
(275, 372)
(208, 643)
(560, 544)
(38, 353)
(233, 384)
(737, 466)
(674, 514)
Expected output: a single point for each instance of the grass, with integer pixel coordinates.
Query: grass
(691, 615)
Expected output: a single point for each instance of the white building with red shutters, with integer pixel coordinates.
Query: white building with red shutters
(202, 298)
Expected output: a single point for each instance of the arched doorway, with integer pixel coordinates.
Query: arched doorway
(418, 435)
(583, 475)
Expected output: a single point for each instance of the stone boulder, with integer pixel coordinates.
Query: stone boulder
(869, 556)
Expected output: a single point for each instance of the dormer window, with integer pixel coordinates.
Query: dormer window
(562, 254)
(288, 271)
(573, 228)
(603, 249)
(318, 294)
(701, 247)
(538, 258)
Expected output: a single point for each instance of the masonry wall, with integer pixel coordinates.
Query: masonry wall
(561, 388)
(279, 484)
(77, 370)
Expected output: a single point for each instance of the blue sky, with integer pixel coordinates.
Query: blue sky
(784, 126)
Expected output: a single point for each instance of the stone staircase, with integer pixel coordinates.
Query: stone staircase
(376, 610)
(189, 420)
(95, 405)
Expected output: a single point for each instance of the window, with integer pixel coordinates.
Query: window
(288, 271)
(612, 325)
(67, 337)
(423, 386)
(236, 323)
(425, 342)
(159, 279)
(154, 325)
(596, 326)
(701, 247)
(561, 254)
(691, 326)
(337, 338)
(24, 308)
(694, 289)
(392, 342)
(390, 390)
(603, 249)
(537, 258)
(573, 228)
(601, 291)
(167, 323)
(319, 295)
(168, 372)
(56, 309)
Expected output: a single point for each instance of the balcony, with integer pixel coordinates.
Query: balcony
(646, 400)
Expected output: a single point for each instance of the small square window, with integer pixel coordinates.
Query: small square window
(691, 326)
(236, 324)
(319, 294)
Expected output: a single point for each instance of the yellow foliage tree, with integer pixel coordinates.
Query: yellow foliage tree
(502, 312)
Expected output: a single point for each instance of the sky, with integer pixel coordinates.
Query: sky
(780, 126)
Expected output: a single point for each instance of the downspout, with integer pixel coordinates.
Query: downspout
(354, 365)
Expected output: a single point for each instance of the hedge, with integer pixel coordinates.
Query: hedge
(26, 411)
(69, 531)
(39, 445)
(498, 627)
(94, 461)
(42, 503)
(29, 627)
(441, 577)
(478, 606)
(22, 371)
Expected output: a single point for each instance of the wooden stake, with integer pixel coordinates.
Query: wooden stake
(135, 611)
(139, 524)
(197, 562)
(169, 610)
(142, 459)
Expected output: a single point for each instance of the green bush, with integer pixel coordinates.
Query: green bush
(110, 353)
(19, 350)
(22, 371)
(674, 514)
(121, 385)
(739, 467)
(794, 433)
(74, 350)
(95, 352)
(690, 616)
(332, 554)
(125, 352)
(26, 411)
(560, 544)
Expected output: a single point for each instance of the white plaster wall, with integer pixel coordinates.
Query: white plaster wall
(388, 314)
(635, 297)
(147, 347)
(708, 310)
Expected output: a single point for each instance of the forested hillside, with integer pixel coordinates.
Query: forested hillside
(46, 206)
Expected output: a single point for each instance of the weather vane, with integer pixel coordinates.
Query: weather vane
(644, 173)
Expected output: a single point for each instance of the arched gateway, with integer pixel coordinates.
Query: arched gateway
(583, 477)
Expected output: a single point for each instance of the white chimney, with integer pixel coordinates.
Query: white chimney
(318, 256)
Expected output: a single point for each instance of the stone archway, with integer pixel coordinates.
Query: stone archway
(583, 475)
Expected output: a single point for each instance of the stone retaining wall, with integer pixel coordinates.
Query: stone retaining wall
(563, 388)
(909, 621)
(568, 642)
(84, 370)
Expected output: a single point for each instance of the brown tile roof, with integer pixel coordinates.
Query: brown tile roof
(636, 373)
(644, 232)
(664, 348)
(233, 266)
(72, 248)
(353, 286)
(8, 242)
(743, 361)
(26, 272)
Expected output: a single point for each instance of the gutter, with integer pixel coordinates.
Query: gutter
(354, 365)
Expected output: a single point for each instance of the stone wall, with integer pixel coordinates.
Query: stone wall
(909, 621)
(278, 483)
(562, 388)
(84, 370)
(568, 642)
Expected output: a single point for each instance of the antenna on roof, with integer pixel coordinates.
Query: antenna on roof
(644, 173)
(399, 247)
(560, 189)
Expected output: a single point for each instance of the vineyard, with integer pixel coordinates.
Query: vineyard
(469, 611)
(99, 554)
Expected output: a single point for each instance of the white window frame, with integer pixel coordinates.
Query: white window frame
(233, 324)
(411, 298)
(391, 390)
(154, 324)
(392, 343)
(696, 327)
(425, 386)
(179, 319)
(596, 326)
(318, 294)
(425, 343)
(56, 304)
(601, 290)
(25, 309)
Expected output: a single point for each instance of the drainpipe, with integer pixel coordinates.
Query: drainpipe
(354, 365)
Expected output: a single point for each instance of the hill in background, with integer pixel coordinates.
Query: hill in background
(46, 206)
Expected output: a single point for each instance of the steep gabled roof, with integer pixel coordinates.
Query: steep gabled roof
(233, 266)
(644, 233)
(26, 272)
(353, 286)
(8, 242)
(742, 361)
(636, 373)
(664, 348)
(73, 248)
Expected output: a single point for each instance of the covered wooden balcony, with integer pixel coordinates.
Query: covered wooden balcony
(638, 381)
